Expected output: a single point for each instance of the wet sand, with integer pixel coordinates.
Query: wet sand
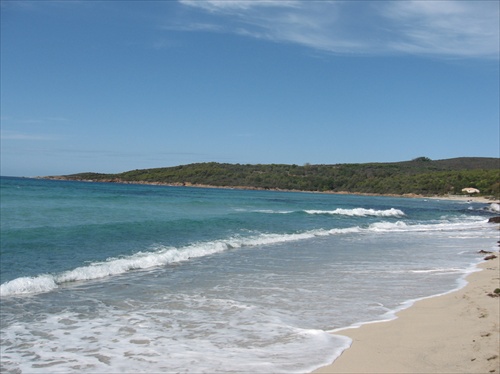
(454, 333)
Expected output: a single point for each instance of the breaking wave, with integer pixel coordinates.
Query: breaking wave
(360, 212)
(494, 207)
(161, 255)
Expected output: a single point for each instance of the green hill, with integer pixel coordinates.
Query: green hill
(419, 176)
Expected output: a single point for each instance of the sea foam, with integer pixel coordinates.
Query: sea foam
(494, 207)
(28, 285)
(360, 212)
(162, 256)
(158, 256)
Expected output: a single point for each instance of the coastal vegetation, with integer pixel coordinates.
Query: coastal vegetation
(421, 176)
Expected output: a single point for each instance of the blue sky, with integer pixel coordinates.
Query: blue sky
(110, 86)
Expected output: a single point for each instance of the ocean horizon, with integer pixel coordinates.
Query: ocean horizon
(105, 277)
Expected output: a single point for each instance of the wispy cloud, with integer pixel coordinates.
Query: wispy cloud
(14, 135)
(195, 26)
(448, 28)
(34, 120)
(463, 28)
(223, 5)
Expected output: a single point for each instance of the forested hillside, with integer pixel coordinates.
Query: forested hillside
(419, 176)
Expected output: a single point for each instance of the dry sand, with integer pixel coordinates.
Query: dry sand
(453, 333)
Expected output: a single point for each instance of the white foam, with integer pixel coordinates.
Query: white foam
(214, 336)
(28, 285)
(360, 212)
(214, 329)
(349, 230)
(443, 225)
(159, 256)
(388, 226)
(494, 207)
(269, 211)
(438, 271)
(141, 260)
(391, 315)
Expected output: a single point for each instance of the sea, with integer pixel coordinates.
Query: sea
(123, 278)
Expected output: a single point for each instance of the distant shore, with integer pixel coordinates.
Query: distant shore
(467, 198)
(457, 332)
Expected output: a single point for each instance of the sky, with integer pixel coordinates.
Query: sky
(111, 86)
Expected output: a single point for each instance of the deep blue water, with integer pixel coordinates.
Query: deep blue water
(100, 277)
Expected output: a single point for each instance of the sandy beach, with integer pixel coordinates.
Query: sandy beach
(472, 199)
(454, 333)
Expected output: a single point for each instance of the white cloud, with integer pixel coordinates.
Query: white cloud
(221, 5)
(434, 27)
(455, 28)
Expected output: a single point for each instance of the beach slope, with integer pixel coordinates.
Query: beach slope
(453, 333)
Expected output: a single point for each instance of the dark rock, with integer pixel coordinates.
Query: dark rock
(491, 257)
(483, 251)
(494, 220)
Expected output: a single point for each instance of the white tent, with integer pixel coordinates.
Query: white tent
(470, 190)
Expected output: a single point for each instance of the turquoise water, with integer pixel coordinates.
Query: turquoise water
(102, 277)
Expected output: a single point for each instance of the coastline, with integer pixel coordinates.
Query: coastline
(465, 198)
(457, 332)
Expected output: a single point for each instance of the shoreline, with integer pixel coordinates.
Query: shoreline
(455, 332)
(465, 198)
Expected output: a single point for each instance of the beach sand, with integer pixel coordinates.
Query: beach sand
(454, 333)
(472, 199)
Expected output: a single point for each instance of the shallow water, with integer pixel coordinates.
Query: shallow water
(133, 278)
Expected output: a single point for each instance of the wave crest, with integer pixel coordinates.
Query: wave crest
(494, 207)
(28, 285)
(159, 256)
(360, 212)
